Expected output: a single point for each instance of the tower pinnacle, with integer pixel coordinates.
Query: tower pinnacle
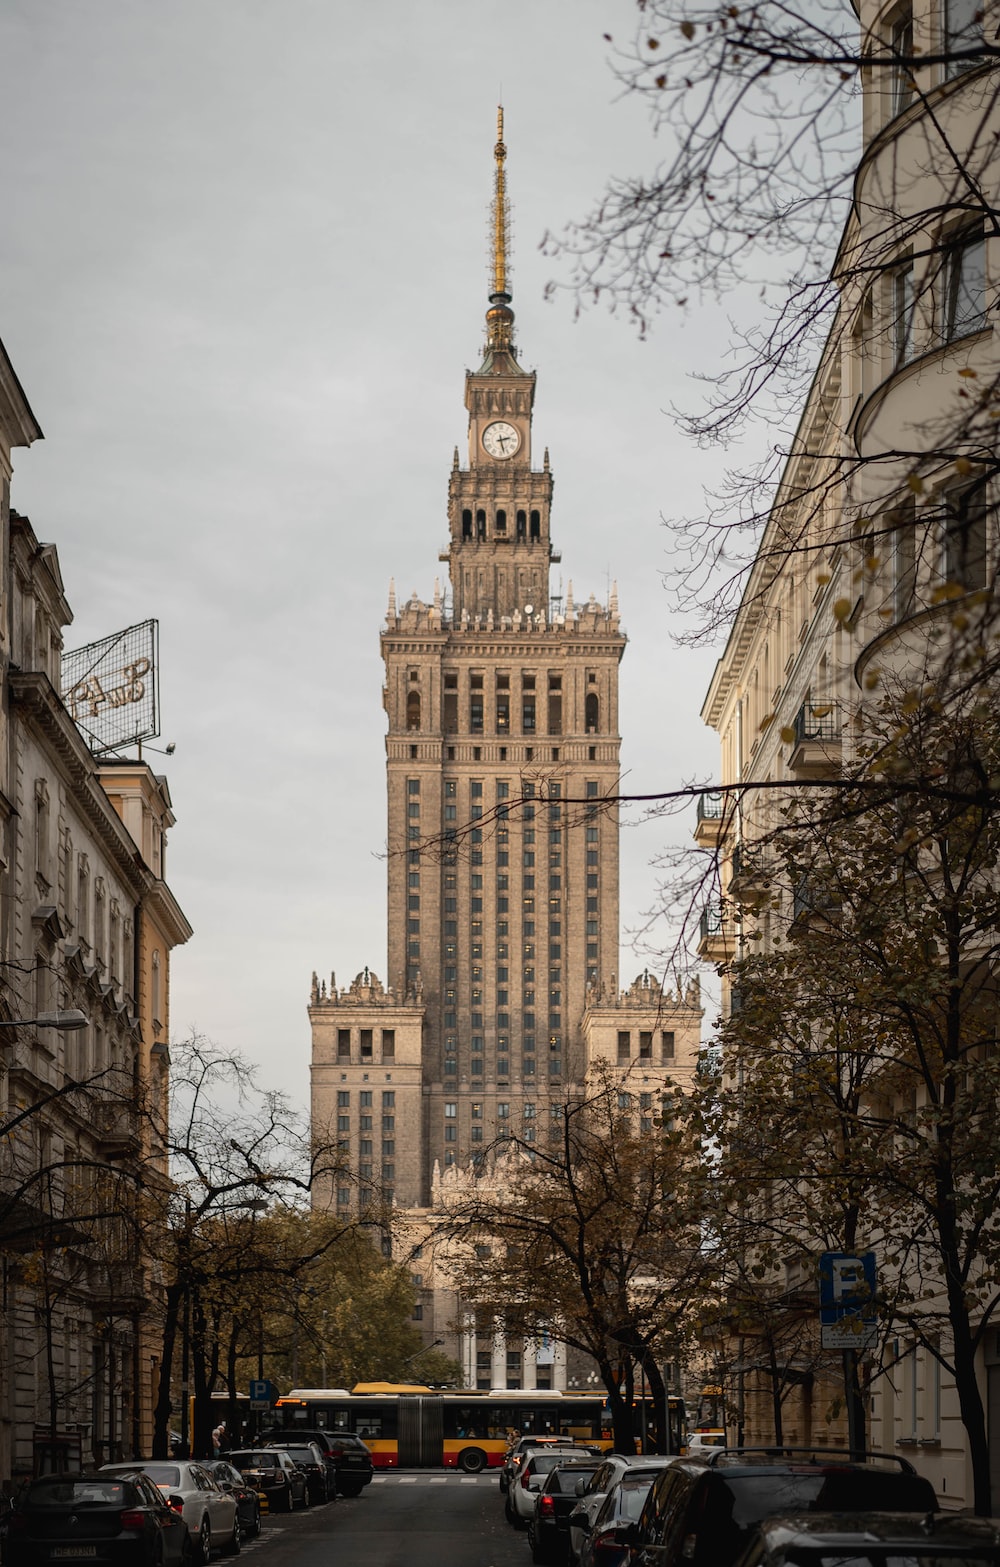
(500, 317)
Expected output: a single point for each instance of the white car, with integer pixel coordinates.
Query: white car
(699, 1440)
(593, 1493)
(522, 1493)
(210, 1513)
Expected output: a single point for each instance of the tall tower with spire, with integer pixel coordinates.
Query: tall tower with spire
(502, 748)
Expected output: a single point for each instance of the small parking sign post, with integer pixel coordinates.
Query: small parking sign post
(262, 1395)
(847, 1284)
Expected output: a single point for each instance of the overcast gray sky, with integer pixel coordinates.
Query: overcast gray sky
(242, 273)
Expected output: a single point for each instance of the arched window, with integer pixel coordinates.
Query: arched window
(413, 710)
(467, 524)
(536, 525)
(592, 712)
(501, 522)
(480, 524)
(522, 524)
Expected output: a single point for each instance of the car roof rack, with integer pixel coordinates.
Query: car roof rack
(713, 1456)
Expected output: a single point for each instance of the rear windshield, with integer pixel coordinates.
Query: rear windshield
(831, 1491)
(254, 1460)
(163, 1474)
(541, 1463)
(80, 1493)
(565, 1480)
(301, 1455)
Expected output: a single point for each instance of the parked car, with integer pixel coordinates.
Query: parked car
(274, 1475)
(603, 1542)
(700, 1439)
(548, 1526)
(247, 1499)
(522, 1445)
(522, 1493)
(209, 1512)
(702, 1508)
(321, 1475)
(875, 1540)
(350, 1456)
(606, 1477)
(119, 1519)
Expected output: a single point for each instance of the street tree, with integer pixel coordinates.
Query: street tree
(592, 1238)
(860, 1064)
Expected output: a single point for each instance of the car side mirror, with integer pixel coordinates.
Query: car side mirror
(580, 1487)
(627, 1534)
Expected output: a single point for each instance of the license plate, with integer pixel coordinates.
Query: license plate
(73, 1552)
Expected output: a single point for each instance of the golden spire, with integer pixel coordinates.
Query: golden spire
(500, 318)
(500, 213)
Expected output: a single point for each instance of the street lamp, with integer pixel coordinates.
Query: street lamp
(425, 1349)
(68, 1021)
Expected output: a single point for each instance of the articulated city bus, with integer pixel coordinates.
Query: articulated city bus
(415, 1427)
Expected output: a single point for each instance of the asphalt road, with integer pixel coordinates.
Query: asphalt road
(424, 1518)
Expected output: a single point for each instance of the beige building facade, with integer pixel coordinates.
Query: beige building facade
(86, 922)
(502, 768)
(884, 515)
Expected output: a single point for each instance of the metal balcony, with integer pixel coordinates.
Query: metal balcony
(816, 749)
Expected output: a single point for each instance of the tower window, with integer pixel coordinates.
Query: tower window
(536, 525)
(592, 708)
(522, 524)
(624, 1046)
(555, 704)
(480, 524)
(413, 709)
(501, 522)
(467, 524)
(449, 716)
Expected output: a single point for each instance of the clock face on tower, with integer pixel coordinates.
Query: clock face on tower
(501, 439)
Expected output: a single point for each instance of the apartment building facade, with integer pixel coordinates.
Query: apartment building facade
(876, 567)
(87, 925)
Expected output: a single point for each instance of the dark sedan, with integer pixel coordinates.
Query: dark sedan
(119, 1520)
(274, 1476)
(321, 1477)
(247, 1500)
(548, 1527)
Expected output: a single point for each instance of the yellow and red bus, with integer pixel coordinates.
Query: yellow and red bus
(413, 1427)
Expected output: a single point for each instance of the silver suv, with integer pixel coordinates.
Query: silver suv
(525, 1444)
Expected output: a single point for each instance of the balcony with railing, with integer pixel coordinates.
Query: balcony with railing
(709, 818)
(816, 749)
(749, 882)
(715, 937)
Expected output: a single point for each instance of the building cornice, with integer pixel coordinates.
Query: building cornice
(16, 417)
(162, 906)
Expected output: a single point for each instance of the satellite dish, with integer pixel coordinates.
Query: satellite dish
(529, 609)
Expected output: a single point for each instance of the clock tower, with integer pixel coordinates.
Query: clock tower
(498, 507)
(500, 999)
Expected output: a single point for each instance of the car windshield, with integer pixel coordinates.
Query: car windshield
(79, 1493)
(565, 1481)
(541, 1463)
(301, 1455)
(163, 1474)
(628, 1504)
(759, 1496)
(254, 1460)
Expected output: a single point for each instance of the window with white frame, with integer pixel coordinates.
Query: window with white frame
(962, 26)
(901, 307)
(964, 285)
